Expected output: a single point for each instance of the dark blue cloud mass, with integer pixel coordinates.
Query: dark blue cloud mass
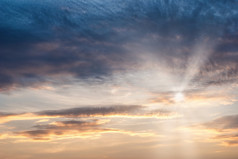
(88, 39)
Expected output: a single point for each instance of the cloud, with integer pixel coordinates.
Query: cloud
(114, 111)
(2, 114)
(82, 122)
(41, 42)
(92, 111)
(73, 129)
(69, 128)
(132, 111)
(226, 130)
(223, 123)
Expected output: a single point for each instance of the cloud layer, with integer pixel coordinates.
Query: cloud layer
(79, 122)
(41, 42)
(226, 129)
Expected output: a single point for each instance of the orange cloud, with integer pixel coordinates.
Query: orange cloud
(113, 111)
(223, 130)
(73, 129)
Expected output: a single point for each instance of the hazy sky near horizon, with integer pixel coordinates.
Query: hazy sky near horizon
(118, 79)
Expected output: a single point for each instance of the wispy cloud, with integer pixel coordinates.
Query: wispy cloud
(224, 130)
(80, 112)
(80, 122)
(74, 129)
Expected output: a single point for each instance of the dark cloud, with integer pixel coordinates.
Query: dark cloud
(92, 111)
(232, 143)
(227, 128)
(61, 128)
(78, 122)
(133, 111)
(228, 139)
(87, 126)
(3, 114)
(84, 111)
(223, 123)
(222, 67)
(126, 111)
(39, 40)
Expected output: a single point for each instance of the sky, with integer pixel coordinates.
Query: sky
(113, 79)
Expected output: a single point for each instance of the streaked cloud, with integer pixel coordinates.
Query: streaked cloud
(73, 129)
(91, 111)
(224, 130)
(223, 123)
(82, 122)
(70, 128)
(81, 112)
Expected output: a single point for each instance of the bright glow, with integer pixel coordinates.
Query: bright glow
(179, 97)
